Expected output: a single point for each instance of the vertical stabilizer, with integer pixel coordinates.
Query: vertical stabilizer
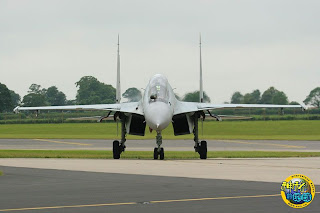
(201, 82)
(118, 90)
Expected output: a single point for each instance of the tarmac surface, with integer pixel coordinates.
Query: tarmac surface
(107, 185)
(173, 145)
(213, 185)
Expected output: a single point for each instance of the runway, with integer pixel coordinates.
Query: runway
(100, 185)
(161, 186)
(172, 145)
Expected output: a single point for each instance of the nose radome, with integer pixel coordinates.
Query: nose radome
(158, 115)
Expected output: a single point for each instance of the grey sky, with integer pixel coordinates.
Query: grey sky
(247, 45)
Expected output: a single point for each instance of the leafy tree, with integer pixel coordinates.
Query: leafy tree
(256, 96)
(92, 91)
(33, 99)
(15, 98)
(36, 96)
(132, 94)
(41, 97)
(247, 99)
(55, 97)
(5, 99)
(252, 98)
(280, 98)
(36, 89)
(71, 102)
(313, 98)
(267, 96)
(237, 98)
(294, 103)
(274, 96)
(195, 97)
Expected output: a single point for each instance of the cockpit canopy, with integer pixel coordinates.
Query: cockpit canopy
(158, 89)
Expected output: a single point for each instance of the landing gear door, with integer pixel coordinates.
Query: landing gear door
(135, 124)
(182, 124)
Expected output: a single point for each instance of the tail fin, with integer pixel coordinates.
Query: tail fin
(201, 82)
(118, 92)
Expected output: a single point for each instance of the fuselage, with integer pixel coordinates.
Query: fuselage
(158, 103)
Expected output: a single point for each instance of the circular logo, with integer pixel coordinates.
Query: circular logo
(297, 191)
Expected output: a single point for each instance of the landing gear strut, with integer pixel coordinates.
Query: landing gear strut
(200, 147)
(119, 147)
(158, 151)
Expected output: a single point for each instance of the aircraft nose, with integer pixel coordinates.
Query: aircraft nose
(158, 116)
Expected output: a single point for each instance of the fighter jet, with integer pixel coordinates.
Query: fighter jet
(157, 109)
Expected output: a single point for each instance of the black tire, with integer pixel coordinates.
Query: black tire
(203, 150)
(161, 154)
(116, 150)
(155, 154)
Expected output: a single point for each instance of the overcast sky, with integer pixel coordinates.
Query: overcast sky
(247, 45)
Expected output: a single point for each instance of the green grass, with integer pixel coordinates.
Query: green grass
(255, 130)
(92, 154)
(1, 173)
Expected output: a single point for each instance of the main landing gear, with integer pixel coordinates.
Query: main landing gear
(119, 147)
(200, 147)
(158, 151)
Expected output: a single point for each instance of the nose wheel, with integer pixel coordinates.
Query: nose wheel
(158, 152)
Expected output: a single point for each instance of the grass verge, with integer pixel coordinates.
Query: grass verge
(254, 130)
(93, 154)
(1, 173)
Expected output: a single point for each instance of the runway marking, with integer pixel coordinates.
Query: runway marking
(62, 207)
(139, 203)
(213, 198)
(73, 143)
(268, 144)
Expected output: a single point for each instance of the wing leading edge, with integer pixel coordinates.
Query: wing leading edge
(186, 107)
(132, 107)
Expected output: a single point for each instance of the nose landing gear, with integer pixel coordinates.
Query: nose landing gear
(158, 151)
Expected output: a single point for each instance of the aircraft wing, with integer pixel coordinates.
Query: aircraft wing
(132, 107)
(185, 107)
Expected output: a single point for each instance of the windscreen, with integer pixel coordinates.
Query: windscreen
(158, 89)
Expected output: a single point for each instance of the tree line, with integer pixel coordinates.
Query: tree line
(270, 96)
(274, 96)
(92, 91)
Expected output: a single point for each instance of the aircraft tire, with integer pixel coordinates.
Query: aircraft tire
(161, 154)
(116, 149)
(155, 154)
(203, 150)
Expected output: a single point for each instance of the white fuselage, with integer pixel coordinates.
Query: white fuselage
(158, 103)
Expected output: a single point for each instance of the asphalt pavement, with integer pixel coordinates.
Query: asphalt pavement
(213, 185)
(47, 190)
